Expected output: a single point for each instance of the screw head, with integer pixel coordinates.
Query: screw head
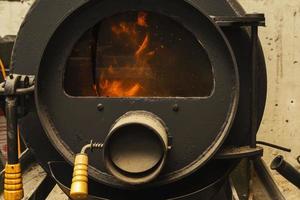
(100, 107)
(175, 107)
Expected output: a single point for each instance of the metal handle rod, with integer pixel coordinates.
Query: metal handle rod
(274, 146)
(19, 91)
(12, 127)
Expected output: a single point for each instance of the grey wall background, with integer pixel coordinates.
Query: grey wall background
(11, 15)
(281, 44)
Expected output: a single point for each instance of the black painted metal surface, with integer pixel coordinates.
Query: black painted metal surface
(211, 116)
(189, 190)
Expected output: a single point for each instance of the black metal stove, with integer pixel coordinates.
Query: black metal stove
(172, 91)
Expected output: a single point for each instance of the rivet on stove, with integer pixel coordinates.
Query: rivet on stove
(175, 108)
(100, 107)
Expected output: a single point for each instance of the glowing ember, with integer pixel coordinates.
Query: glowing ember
(142, 19)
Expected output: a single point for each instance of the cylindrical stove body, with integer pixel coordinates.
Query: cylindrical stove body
(158, 82)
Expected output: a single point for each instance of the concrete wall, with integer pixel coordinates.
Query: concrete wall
(11, 15)
(281, 43)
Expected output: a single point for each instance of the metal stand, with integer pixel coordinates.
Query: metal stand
(14, 88)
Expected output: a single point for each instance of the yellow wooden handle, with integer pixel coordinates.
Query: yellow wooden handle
(79, 187)
(13, 186)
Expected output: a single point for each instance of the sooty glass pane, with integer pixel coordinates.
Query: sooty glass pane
(138, 54)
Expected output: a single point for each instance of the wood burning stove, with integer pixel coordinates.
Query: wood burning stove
(174, 91)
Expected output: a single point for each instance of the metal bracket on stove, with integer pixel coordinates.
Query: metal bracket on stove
(253, 21)
(239, 152)
(256, 19)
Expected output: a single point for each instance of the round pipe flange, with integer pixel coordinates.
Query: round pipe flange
(136, 147)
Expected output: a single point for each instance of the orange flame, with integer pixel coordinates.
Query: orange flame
(124, 28)
(143, 46)
(142, 19)
(117, 89)
(111, 82)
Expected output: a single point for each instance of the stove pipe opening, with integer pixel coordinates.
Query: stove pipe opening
(136, 147)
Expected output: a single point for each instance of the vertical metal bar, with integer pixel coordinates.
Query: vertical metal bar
(254, 100)
(12, 126)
